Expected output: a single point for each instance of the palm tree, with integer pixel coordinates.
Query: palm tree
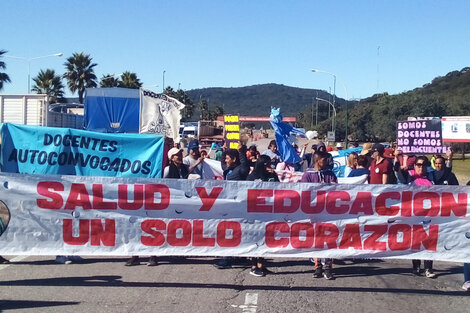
(4, 78)
(130, 80)
(47, 82)
(80, 73)
(109, 81)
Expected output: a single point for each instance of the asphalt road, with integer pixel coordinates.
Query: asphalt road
(37, 284)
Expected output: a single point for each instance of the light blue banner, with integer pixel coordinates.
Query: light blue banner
(340, 159)
(51, 150)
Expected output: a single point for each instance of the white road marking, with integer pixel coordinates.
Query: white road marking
(15, 259)
(251, 303)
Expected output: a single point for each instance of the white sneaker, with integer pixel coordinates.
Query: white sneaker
(429, 274)
(466, 286)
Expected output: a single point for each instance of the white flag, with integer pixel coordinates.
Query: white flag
(159, 114)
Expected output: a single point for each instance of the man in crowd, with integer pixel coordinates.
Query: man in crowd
(236, 167)
(194, 159)
(380, 167)
(321, 173)
(322, 148)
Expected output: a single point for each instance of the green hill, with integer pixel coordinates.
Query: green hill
(257, 100)
(375, 118)
(371, 119)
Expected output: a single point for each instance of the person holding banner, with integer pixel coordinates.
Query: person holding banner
(4, 219)
(235, 164)
(194, 159)
(262, 172)
(466, 274)
(321, 173)
(443, 175)
(417, 176)
(176, 168)
(236, 167)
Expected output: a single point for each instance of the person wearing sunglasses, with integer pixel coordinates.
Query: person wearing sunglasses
(417, 176)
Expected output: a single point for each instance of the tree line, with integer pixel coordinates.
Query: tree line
(80, 74)
(369, 119)
(375, 118)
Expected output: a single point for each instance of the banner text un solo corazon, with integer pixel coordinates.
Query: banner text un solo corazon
(119, 216)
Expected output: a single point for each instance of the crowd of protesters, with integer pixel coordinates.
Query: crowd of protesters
(380, 164)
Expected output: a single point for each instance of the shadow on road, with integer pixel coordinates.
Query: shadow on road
(115, 281)
(25, 304)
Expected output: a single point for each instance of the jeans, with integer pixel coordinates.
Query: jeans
(466, 271)
(324, 263)
(427, 264)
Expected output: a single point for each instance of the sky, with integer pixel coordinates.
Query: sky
(370, 46)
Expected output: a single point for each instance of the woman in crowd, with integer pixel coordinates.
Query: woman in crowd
(352, 164)
(362, 167)
(417, 176)
(262, 172)
(272, 152)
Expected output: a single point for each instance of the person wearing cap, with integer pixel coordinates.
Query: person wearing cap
(176, 167)
(380, 167)
(339, 146)
(194, 159)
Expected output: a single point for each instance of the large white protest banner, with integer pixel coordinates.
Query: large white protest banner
(72, 215)
(159, 114)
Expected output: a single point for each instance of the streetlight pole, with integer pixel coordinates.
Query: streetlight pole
(311, 120)
(334, 96)
(334, 82)
(164, 80)
(29, 64)
(333, 122)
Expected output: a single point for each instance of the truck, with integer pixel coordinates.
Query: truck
(34, 110)
(210, 132)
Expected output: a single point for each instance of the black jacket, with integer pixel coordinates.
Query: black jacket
(239, 171)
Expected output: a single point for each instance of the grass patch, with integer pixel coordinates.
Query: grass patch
(461, 169)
